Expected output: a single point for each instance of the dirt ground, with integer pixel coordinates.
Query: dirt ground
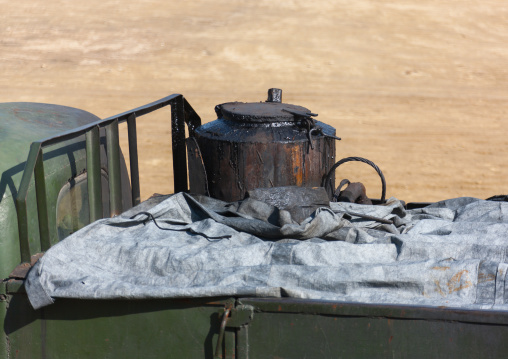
(419, 87)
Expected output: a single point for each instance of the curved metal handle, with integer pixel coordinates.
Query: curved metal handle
(329, 186)
(222, 329)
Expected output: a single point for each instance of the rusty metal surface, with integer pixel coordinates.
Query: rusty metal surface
(21, 270)
(329, 181)
(235, 165)
(354, 193)
(259, 145)
(220, 339)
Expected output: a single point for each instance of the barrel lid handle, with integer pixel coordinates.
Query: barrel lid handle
(274, 95)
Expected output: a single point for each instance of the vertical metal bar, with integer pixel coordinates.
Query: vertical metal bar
(42, 204)
(21, 199)
(133, 159)
(229, 344)
(178, 145)
(191, 118)
(242, 342)
(114, 176)
(93, 169)
(24, 245)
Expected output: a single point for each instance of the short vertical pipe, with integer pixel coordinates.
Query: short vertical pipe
(93, 168)
(42, 204)
(114, 176)
(178, 145)
(274, 95)
(133, 159)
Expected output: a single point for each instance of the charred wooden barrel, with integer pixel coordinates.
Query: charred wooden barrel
(259, 145)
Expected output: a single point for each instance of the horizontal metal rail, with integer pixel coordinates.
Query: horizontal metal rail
(181, 113)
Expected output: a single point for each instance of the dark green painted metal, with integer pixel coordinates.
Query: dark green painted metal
(317, 329)
(289, 335)
(114, 174)
(69, 134)
(4, 345)
(42, 204)
(115, 329)
(229, 344)
(21, 202)
(240, 316)
(24, 329)
(242, 343)
(21, 124)
(38, 113)
(42, 112)
(133, 159)
(320, 307)
(178, 145)
(62, 162)
(93, 168)
(14, 286)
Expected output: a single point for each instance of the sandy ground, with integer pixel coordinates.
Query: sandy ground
(419, 87)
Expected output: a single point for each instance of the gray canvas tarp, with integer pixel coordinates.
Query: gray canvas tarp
(452, 253)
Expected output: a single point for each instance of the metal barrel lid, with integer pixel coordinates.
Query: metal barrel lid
(272, 110)
(261, 111)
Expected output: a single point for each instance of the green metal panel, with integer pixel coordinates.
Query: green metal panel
(3, 308)
(60, 164)
(9, 245)
(274, 335)
(128, 329)
(114, 329)
(20, 124)
(313, 329)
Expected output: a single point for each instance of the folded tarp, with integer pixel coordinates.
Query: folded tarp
(452, 253)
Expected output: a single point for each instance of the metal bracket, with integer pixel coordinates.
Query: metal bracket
(240, 316)
(14, 286)
(3, 290)
(237, 317)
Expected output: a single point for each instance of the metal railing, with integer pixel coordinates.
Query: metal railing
(181, 113)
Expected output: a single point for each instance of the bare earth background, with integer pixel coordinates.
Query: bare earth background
(419, 87)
